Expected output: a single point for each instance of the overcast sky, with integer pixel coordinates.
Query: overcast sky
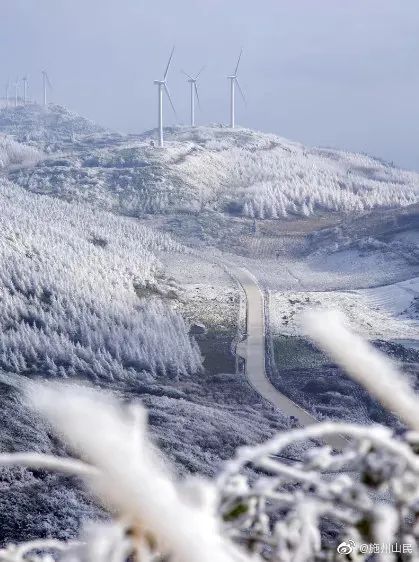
(341, 73)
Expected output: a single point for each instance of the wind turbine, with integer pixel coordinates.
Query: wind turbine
(162, 86)
(16, 91)
(233, 83)
(7, 93)
(194, 93)
(46, 84)
(25, 89)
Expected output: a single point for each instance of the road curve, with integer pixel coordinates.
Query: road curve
(252, 350)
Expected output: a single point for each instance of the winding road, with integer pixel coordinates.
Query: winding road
(252, 350)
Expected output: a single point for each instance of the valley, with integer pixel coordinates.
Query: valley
(154, 272)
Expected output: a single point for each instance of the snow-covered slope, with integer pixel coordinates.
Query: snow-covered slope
(388, 312)
(83, 296)
(45, 126)
(240, 172)
(14, 153)
(71, 282)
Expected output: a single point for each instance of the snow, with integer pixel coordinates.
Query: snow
(208, 294)
(84, 294)
(45, 126)
(88, 293)
(385, 312)
(13, 153)
(397, 299)
(240, 172)
(70, 284)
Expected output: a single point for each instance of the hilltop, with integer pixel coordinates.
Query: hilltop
(47, 127)
(236, 172)
(241, 191)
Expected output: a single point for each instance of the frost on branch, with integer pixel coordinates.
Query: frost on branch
(265, 505)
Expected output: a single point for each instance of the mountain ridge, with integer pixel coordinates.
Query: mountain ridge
(239, 172)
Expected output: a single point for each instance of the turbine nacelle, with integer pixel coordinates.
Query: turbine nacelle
(193, 81)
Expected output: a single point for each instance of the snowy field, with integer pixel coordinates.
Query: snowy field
(390, 312)
(323, 273)
(386, 315)
(208, 295)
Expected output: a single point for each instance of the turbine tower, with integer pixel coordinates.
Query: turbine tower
(233, 83)
(46, 84)
(25, 89)
(162, 86)
(194, 93)
(7, 93)
(16, 91)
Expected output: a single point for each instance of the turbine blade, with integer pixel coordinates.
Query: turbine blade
(241, 91)
(48, 81)
(168, 64)
(166, 89)
(186, 74)
(199, 73)
(197, 95)
(238, 62)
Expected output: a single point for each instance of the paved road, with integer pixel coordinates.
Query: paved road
(252, 349)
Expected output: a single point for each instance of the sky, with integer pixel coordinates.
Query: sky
(340, 73)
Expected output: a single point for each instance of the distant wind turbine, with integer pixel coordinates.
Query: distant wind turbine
(46, 84)
(7, 93)
(25, 89)
(194, 93)
(16, 91)
(233, 83)
(162, 84)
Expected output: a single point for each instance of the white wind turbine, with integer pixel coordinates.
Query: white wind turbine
(194, 93)
(16, 91)
(7, 93)
(25, 89)
(162, 84)
(46, 84)
(233, 83)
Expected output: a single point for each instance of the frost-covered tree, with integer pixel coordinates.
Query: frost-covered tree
(253, 173)
(70, 291)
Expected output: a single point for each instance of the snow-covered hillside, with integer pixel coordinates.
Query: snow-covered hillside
(45, 126)
(238, 172)
(71, 283)
(83, 296)
(96, 296)
(16, 153)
